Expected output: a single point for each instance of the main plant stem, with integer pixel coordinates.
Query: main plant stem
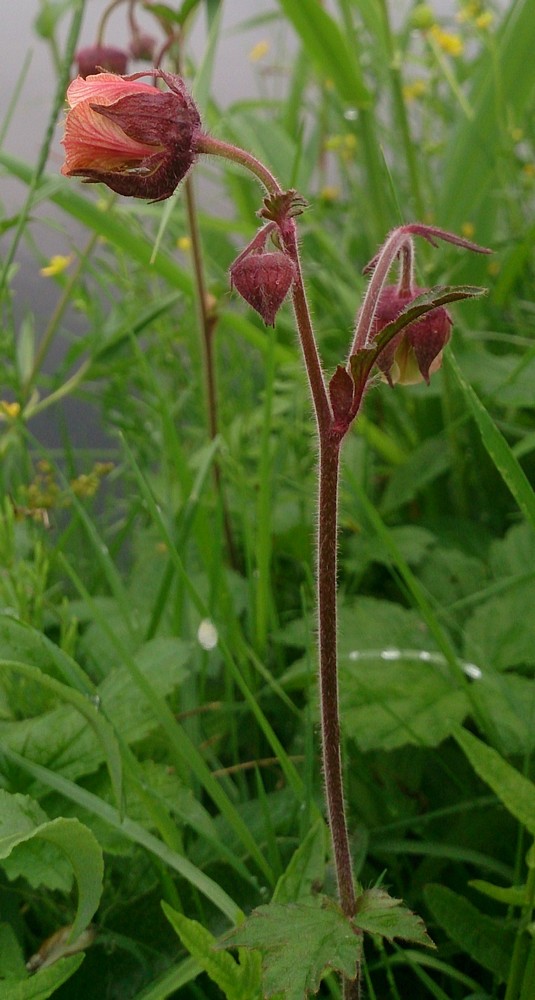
(329, 463)
(326, 575)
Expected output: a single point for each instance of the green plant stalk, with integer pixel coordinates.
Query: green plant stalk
(519, 982)
(207, 323)
(74, 31)
(59, 310)
(326, 566)
(409, 146)
(263, 509)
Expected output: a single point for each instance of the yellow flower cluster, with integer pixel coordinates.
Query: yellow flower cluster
(57, 265)
(258, 51)
(449, 42)
(9, 411)
(344, 145)
(414, 91)
(45, 493)
(87, 484)
(473, 11)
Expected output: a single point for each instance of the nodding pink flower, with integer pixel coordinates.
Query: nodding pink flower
(415, 353)
(132, 136)
(96, 58)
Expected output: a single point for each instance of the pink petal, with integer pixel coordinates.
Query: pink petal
(104, 88)
(93, 141)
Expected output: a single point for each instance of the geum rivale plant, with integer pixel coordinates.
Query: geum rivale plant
(141, 141)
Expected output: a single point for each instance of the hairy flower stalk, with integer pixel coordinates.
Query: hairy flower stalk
(141, 141)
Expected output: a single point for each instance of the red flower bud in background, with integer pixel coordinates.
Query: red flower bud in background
(132, 136)
(96, 58)
(143, 46)
(415, 353)
(263, 280)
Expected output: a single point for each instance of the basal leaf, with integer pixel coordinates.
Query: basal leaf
(300, 943)
(379, 913)
(487, 941)
(22, 821)
(515, 791)
(43, 984)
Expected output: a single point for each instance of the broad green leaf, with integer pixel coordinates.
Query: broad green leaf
(497, 447)
(379, 913)
(487, 941)
(22, 821)
(515, 792)
(19, 641)
(77, 705)
(306, 870)
(130, 831)
(500, 631)
(221, 967)
(393, 696)
(300, 943)
(43, 984)
(508, 701)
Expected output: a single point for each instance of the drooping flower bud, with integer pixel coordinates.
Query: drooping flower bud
(263, 280)
(132, 136)
(414, 353)
(96, 58)
(143, 46)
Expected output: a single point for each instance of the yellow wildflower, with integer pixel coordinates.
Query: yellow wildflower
(529, 170)
(330, 192)
(414, 91)
(468, 229)
(484, 20)
(9, 411)
(57, 265)
(184, 243)
(258, 51)
(450, 43)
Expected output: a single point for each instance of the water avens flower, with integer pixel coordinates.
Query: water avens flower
(415, 353)
(132, 136)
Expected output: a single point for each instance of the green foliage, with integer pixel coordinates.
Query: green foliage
(25, 830)
(488, 941)
(158, 706)
(300, 942)
(237, 980)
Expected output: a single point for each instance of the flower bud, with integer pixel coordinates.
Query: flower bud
(96, 58)
(143, 46)
(414, 353)
(263, 280)
(132, 136)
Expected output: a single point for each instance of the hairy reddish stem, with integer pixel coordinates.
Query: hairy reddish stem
(216, 147)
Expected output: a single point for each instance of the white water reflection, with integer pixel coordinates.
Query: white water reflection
(420, 655)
